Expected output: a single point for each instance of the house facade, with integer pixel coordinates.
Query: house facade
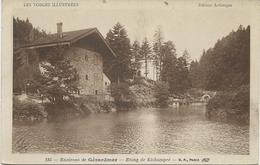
(86, 50)
(89, 65)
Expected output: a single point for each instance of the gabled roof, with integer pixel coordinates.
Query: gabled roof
(68, 38)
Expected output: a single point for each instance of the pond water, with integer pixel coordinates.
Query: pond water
(183, 130)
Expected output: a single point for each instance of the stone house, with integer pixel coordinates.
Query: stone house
(87, 51)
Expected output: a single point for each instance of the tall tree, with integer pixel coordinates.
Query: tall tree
(145, 53)
(186, 56)
(120, 43)
(157, 52)
(136, 57)
(174, 70)
(194, 74)
(181, 79)
(169, 61)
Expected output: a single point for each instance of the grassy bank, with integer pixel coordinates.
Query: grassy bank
(230, 105)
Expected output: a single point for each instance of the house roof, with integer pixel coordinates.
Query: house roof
(68, 38)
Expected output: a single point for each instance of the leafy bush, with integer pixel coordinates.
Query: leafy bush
(122, 94)
(235, 101)
(162, 94)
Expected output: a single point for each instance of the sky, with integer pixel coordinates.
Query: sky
(187, 25)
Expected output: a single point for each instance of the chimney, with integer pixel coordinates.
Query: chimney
(59, 30)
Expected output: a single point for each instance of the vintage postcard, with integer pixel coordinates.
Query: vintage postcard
(130, 82)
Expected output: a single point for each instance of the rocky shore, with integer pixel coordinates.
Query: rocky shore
(27, 108)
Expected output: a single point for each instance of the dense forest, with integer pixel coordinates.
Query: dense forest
(169, 67)
(225, 68)
(24, 32)
(226, 65)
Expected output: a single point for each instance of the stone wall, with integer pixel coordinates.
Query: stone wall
(89, 65)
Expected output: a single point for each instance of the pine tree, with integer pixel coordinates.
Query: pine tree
(58, 80)
(186, 56)
(157, 49)
(145, 53)
(194, 74)
(136, 57)
(168, 64)
(120, 43)
(174, 70)
(182, 82)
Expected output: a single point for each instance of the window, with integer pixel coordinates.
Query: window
(105, 83)
(86, 77)
(96, 92)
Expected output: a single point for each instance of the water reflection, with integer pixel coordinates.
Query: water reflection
(183, 130)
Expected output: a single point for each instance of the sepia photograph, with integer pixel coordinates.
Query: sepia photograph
(128, 86)
(135, 78)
